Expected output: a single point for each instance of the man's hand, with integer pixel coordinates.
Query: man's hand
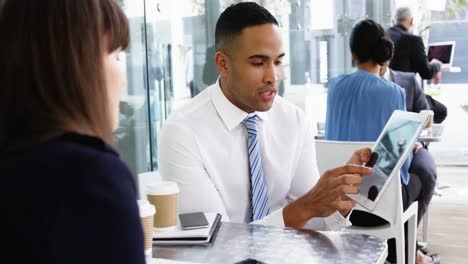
(360, 156)
(326, 197)
(435, 61)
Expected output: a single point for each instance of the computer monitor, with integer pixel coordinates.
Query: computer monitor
(442, 51)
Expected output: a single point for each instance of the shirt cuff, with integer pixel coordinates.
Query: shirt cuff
(273, 219)
(336, 222)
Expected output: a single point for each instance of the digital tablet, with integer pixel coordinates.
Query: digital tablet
(389, 153)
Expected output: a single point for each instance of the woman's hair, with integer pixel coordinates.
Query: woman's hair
(52, 70)
(369, 42)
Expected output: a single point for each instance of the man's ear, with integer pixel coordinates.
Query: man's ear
(222, 63)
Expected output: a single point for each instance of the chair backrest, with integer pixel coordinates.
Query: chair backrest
(331, 154)
(144, 179)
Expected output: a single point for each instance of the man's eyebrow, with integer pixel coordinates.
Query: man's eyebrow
(265, 57)
(259, 56)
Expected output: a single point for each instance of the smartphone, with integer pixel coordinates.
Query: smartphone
(193, 220)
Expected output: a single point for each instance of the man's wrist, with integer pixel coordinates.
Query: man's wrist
(296, 214)
(345, 213)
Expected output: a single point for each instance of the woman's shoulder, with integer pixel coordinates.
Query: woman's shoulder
(334, 81)
(78, 156)
(82, 148)
(95, 153)
(350, 78)
(92, 165)
(392, 87)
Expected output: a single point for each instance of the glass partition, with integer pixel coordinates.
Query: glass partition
(132, 137)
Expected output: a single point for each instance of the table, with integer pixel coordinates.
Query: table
(238, 242)
(434, 136)
(452, 69)
(320, 135)
(446, 69)
(464, 107)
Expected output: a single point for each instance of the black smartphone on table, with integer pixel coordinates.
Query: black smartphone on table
(193, 220)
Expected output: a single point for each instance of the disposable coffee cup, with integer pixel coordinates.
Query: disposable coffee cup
(147, 212)
(430, 120)
(164, 195)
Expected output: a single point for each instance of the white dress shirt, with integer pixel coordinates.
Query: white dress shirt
(387, 76)
(203, 147)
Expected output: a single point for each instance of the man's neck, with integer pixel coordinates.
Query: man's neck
(223, 84)
(404, 26)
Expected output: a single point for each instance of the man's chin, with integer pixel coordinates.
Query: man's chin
(264, 107)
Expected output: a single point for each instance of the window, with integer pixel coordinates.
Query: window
(171, 58)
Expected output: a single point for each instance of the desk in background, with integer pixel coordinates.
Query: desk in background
(443, 69)
(434, 136)
(237, 242)
(464, 107)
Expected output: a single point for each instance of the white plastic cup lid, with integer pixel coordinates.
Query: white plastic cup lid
(162, 188)
(146, 209)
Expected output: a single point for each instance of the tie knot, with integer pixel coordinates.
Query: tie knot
(251, 124)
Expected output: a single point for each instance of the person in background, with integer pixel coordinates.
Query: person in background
(439, 109)
(66, 197)
(360, 104)
(239, 150)
(415, 99)
(409, 54)
(422, 164)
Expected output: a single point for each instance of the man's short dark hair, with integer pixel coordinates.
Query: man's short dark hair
(236, 18)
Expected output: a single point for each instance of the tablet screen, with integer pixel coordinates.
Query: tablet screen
(397, 138)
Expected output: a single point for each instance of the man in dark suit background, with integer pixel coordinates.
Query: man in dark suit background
(415, 97)
(410, 55)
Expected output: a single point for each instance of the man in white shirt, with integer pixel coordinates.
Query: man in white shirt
(232, 150)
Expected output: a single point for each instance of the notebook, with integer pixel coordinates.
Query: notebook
(189, 237)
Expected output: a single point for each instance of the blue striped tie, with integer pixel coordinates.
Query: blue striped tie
(259, 192)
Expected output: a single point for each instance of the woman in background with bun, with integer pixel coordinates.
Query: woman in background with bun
(360, 104)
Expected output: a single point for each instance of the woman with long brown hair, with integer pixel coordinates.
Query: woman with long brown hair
(65, 196)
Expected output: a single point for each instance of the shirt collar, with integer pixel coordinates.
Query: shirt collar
(402, 27)
(229, 113)
(387, 75)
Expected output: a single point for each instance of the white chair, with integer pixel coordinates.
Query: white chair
(145, 179)
(331, 154)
